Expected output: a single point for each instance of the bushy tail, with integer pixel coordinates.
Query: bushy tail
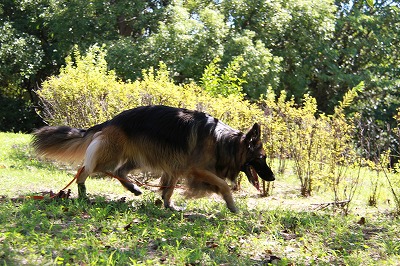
(62, 143)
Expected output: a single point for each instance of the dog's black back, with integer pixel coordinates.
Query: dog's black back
(170, 126)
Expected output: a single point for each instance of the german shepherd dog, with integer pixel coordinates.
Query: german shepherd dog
(175, 142)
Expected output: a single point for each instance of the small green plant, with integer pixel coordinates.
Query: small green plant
(293, 133)
(341, 163)
(390, 178)
(226, 83)
(275, 130)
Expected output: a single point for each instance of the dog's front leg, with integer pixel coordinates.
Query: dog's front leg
(223, 188)
(168, 184)
(121, 174)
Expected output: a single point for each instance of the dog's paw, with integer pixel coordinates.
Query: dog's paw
(137, 192)
(134, 189)
(233, 209)
(173, 207)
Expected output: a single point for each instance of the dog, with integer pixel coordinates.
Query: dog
(175, 142)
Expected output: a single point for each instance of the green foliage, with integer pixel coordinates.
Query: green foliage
(320, 145)
(186, 42)
(225, 84)
(259, 67)
(86, 93)
(370, 3)
(340, 156)
(321, 48)
(21, 56)
(363, 48)
(290, 133)
(79, 95)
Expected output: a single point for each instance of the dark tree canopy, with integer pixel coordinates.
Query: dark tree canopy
(323, 48)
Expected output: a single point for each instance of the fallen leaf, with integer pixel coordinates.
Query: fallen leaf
(211, 244)
(127, 227)
(361, 221)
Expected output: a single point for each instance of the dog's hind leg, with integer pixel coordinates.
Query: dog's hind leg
(104, 154)
(168, 184)
(121, 172)
(223, 188)
(93, 158)
(82, 175)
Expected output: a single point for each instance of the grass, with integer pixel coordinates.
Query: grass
(117, 228)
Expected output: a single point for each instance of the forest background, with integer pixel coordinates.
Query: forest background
(321, 48)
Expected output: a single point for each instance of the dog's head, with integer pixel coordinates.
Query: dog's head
(255, 164)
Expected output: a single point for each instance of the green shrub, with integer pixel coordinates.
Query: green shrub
(320, 146)
(87, 93)
(83, 93)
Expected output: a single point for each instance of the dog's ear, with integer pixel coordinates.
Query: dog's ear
(253, 135)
